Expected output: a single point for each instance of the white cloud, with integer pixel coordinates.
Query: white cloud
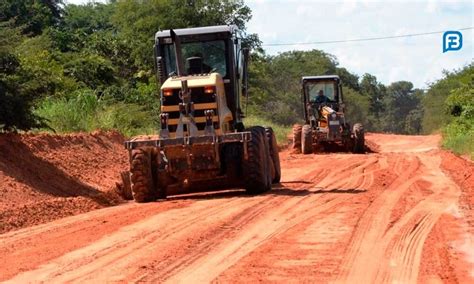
(347, 7)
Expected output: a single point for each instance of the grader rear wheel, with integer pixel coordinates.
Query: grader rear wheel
(257, 166)
(274, 156)
(141, 175)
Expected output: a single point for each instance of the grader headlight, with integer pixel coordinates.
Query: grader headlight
(167, 92)
(209, 89)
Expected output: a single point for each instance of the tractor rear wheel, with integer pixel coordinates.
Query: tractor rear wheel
(257, 166)
(307, 139)
(141, 175)
(359, 139)
(274, 156)
(297, 136)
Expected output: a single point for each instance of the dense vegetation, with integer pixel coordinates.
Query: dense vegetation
(81, 67)
(449, 105)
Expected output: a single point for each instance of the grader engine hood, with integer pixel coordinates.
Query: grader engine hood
(194, 106)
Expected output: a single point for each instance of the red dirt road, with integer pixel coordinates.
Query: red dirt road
(403, 215)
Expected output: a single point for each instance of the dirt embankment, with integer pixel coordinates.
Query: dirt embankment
(45, 177)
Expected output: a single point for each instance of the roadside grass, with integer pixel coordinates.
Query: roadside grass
(281, 131)
(459, 137)
(85, 112)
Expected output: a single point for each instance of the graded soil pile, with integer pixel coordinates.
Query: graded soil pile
(44, 177)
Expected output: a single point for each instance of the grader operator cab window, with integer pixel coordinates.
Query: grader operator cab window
(328, 89)
(198, 57)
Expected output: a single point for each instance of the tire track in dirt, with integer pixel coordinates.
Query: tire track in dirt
(394, 256)
(285, 203)
(116, 257)
(97, 252)
(285, 218)
(209, 266)
(217, 233)
(404, 249)
(127, 242)
(360, 264)
(267, 253)
(18, 247)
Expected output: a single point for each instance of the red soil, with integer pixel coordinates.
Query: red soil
(402, 214)
(45, 177)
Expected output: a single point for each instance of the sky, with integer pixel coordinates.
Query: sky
(417, 59)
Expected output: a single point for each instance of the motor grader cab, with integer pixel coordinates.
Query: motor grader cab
(325, 121)
(202, 143)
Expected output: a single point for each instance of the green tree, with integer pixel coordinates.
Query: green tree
(459, 133)
(402, 102)
(138, 21)
(434, 101)
(357, 106)
(32, 16)
(375, 92)
(348, 79)
(16, 93)
(79, 23)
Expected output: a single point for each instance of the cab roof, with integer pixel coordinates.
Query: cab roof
(323, 77)
(197, 31)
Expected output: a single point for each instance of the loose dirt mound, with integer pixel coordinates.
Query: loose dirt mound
(462, 172)
(45, 177)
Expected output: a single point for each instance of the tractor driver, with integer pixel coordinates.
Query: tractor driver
(321, 98)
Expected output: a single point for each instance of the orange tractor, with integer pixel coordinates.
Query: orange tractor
(325, 125)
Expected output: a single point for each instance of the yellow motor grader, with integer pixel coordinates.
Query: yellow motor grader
(202, 143)
(325, 125)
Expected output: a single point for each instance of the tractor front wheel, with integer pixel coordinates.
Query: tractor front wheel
(307, 139)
